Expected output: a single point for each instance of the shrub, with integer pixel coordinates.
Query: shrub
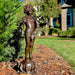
(72, 31)
(68, 32)
(54, 30)
(8, 23)
(9, 51)
(62, 33)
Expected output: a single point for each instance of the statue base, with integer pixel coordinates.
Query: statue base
(26, 67)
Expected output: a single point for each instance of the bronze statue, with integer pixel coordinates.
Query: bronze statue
(32, 27)
(30, 32)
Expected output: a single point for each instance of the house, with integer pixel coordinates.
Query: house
(67, 17)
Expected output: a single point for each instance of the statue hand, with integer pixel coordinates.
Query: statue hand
(34, 33)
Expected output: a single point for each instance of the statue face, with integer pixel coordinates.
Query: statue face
(29, 9)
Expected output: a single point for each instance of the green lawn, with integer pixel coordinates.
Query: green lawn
(64, 48)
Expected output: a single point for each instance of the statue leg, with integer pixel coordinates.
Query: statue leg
(31, 49)
(27, 48)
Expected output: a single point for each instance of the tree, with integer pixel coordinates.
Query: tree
(8, 22)
(48, 9)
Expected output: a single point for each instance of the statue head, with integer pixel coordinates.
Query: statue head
(28, 9)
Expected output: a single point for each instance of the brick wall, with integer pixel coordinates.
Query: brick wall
(63, 19)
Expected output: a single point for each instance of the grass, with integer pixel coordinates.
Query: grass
(64, 48)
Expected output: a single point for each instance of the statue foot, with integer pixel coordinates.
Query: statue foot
(28, 66)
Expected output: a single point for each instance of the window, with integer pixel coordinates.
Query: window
(63, 1)
(69, 19)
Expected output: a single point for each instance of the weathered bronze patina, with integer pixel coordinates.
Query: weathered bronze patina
(31, 31)
(32, 27)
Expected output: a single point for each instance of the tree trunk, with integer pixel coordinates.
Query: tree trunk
(51, 22)
(46, 28)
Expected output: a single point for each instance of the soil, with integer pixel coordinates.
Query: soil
(48, 63)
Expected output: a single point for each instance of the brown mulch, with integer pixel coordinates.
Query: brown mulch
(6, 70)
(48, 63)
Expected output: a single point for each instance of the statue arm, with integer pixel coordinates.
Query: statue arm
(22, 22)
(42, 22)
(21, 25)
(37, 27)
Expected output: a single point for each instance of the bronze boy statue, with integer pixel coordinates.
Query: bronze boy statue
(32, 27)
(30, 33)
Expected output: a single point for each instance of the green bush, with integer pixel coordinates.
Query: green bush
(9, 20)
(54, 31)
(72, 31)
(9, 51)
(62, 33)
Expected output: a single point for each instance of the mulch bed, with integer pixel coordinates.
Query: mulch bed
(48, 63)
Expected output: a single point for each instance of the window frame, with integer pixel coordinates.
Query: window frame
(70, 14)
(62, 1)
